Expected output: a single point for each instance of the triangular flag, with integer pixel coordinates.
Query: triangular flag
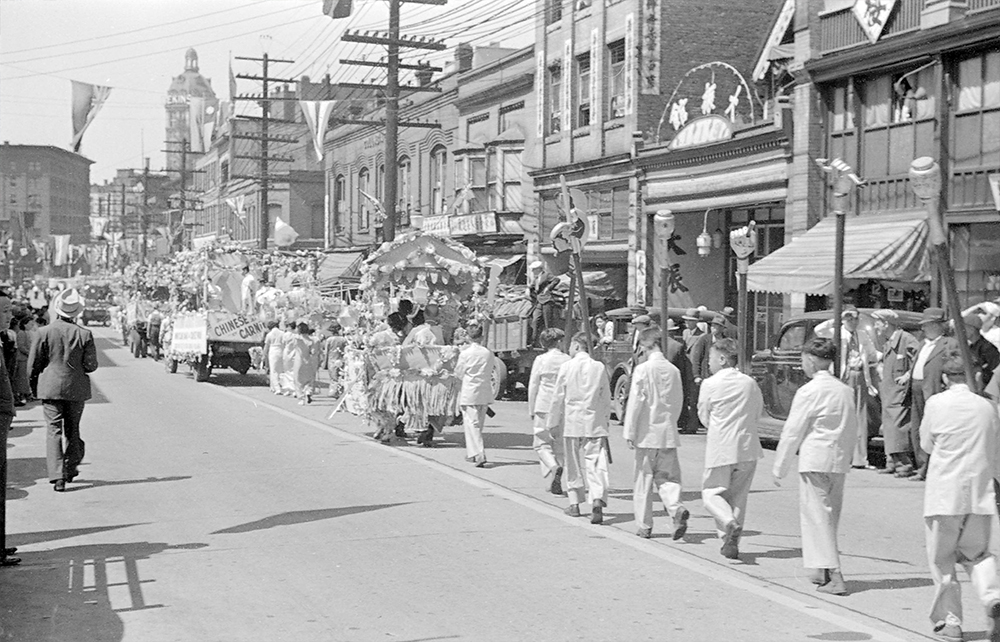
(164, 231)
(238, 205)
(87, 101)
(284, 235)
(232, 82)
(317, 114)
(379, 211)
(337, 8)
(196, 124)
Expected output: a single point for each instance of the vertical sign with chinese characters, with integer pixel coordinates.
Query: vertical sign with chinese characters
(596, 74)
(629, 63)
(541, 77)
(567, 86)
(640, 277)
(649, 76)
(872, 15)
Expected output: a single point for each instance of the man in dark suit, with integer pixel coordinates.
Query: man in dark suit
(61, 357)
(687, 421)
(6, 417)
(925, 377)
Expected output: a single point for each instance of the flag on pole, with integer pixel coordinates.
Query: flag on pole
(284, 234)
(337, 8)
(379, 211)
(196, 123)
(87, 101)
(238, 205)
(60, 255)
(317, 115)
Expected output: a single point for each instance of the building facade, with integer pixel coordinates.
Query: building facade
(133, 204)
(191, 105)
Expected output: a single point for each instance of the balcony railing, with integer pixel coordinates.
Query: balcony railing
(887, 194)
(980, 5)
(841, 29)
(970, 189)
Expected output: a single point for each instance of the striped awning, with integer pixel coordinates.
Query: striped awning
(879, 246)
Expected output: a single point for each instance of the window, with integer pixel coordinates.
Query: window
(583, 90)
(976, 117)
(224, 172)
(470, 184)
(511, 116)
(897, 127)
(34, 166)
(403, 191)
(555, 99)
(504, 172)
(611, 208)
(363, 204)
(616, 80)
(339, 203)
(553, 11)
(439, 159)
(478, 130)
(379, 193)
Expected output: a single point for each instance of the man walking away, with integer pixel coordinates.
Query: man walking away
(61, 358)
(541, 385)
(730, 405)
(6, 418)
(898, 353)
(475, 369)
(581, 409)
(822, 426)
(985, 355)
(655, 401)
(961, 432)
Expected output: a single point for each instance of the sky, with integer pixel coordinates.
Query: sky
(137, 47)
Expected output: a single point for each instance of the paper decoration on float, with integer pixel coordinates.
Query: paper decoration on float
(87, 101)
(284, 234)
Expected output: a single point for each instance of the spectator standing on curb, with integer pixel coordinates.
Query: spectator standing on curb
(896, 360)
(6, 418)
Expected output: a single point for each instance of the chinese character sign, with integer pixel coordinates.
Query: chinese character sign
(873, 15)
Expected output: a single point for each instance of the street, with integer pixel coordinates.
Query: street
(217, 512)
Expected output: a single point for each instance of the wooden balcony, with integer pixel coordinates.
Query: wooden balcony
(840, 30)
(970, 189)
(887, 194)
(981, 5)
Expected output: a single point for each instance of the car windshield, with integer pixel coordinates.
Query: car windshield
(793, 338)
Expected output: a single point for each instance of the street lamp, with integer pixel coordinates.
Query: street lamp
(744, 244)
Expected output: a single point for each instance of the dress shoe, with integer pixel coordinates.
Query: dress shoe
(9, 561)
(573, 510)
(9, 551)
(681, 523)
(834, 584)
(890, 469)
(556, 487)
(906, 470)
(919, 477)
(731, 541)
(479, 461)
(818, 576)
(993, 613)
(950, 632)
(644, 533)
(597, 512)
(59, 486)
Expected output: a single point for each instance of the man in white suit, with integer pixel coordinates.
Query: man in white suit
(729, 405)
(961, 431)
(581, 409)
(475, 368)
(655, 401)
(822, 426)
(541, 386)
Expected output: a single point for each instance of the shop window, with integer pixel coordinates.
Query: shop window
(504, 171)
(583, 90)
(555, 99)
(404, 191)
(439, 159)
(470, 184)
(976, 119)
(974, 251)
(363, 204)
(616, 80)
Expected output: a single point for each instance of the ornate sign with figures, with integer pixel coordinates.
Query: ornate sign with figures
(872, 16)
(702, 131)
(716, 97)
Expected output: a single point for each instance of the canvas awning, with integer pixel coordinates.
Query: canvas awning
(338, 265)
(881, 246)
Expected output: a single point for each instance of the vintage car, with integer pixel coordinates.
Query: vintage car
(778, 370)
(95, 312)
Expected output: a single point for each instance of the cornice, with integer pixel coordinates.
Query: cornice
(496, 93)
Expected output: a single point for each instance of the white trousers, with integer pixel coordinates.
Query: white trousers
(586, 469)
(821, 496)
(965, 539)
(548, 444)
(724, 492)
(276, 365)
(656, 469)
(473, 418)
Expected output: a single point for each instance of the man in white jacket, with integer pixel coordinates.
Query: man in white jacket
(581, 409)
(822, 426)
(475, 369)
(961, 431)
(729, 405)
(655, 400)
(541, 386)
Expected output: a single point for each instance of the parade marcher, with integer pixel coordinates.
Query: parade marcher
(287, 377)
(20, 383)
(656, 397)
(896, 360)
(6, 418)
(274, 355)
(333, 357)
(388, 336)
(985, 355)
(475, 369)
(961, 431)
(822, 426)
(248, 292)
(730, 405)
(541, 385)
(154, 322)
(305, 360)
(62, 357)
(925, 378)
(581, 408)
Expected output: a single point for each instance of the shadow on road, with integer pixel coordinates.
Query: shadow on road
(302, 517)
(507, 440)
(65, 593)
(87, 484)
(860, 586)
(23, 473)
(24, 539)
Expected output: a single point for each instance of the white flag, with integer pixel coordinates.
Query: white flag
(87, 101)
(60, 254)
(98, 224)
(284, 235)
(238, 205)
(317, 114)
(196, 124)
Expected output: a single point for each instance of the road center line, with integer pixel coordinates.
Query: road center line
(816, 609)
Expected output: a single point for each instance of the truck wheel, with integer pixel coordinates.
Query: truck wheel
(202, 370)
(620, 397)
(498, 379)
(171, 365)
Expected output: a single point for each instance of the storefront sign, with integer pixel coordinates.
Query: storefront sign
(630, 63)
(872, 16)
(702, 131)
(482, 223)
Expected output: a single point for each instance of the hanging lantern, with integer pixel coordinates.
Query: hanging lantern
(420, 291)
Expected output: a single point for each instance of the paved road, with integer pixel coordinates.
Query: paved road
(220, 512)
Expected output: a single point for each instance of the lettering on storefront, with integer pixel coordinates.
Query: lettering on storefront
(375, 141)
(702, 131)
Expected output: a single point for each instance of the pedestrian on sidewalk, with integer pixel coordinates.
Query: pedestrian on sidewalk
(541, 386)
(273, 355)
(822, 426)
(656, 397)
(730, 405)
(581, 409)
(6, 418)
(61, 358)
(925, 378)
(961, 431)
(896, 360)
(475, 369)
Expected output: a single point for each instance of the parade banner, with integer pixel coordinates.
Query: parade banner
(98, 225)
(189, 335)
(223, 326)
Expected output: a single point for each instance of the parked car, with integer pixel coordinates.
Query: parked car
(778, 370)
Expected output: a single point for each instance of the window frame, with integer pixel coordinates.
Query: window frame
(554, 123)
(404, 189)
(616, 75)
(497, 181)
(436, 177)
(364, 207)
(584, 108)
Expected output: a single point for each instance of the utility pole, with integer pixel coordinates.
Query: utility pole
(144, 214)
(391, 90)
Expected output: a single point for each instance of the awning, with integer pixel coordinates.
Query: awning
(601, 284)
(338, 265)
(881, 246)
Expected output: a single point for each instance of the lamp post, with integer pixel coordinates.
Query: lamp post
(925, 180)
(664, 225)
(744, 243)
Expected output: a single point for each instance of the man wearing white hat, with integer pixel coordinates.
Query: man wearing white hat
(61, 358)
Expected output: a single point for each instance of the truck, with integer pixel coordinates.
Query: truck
(507, 338)
(211, 339)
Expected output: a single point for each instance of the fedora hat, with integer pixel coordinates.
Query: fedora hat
(692, 314)
(68, 304)
(933, 315)
(849, 310)
(886, 315)
(642, 319)
(671, 325)
(719, 319)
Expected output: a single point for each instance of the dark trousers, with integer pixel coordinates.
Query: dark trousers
(917, 394)
(63, 419)
(5, 421)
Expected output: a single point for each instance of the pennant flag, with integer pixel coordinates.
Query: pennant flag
(284, 234)
(87, 101)
(98, 224)
(238, 205)
(379, 211)
(464, 196)
(60, 255)
(196, 124)
(337, 8)
(164, 231)
(317, 114)
(232, 82)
